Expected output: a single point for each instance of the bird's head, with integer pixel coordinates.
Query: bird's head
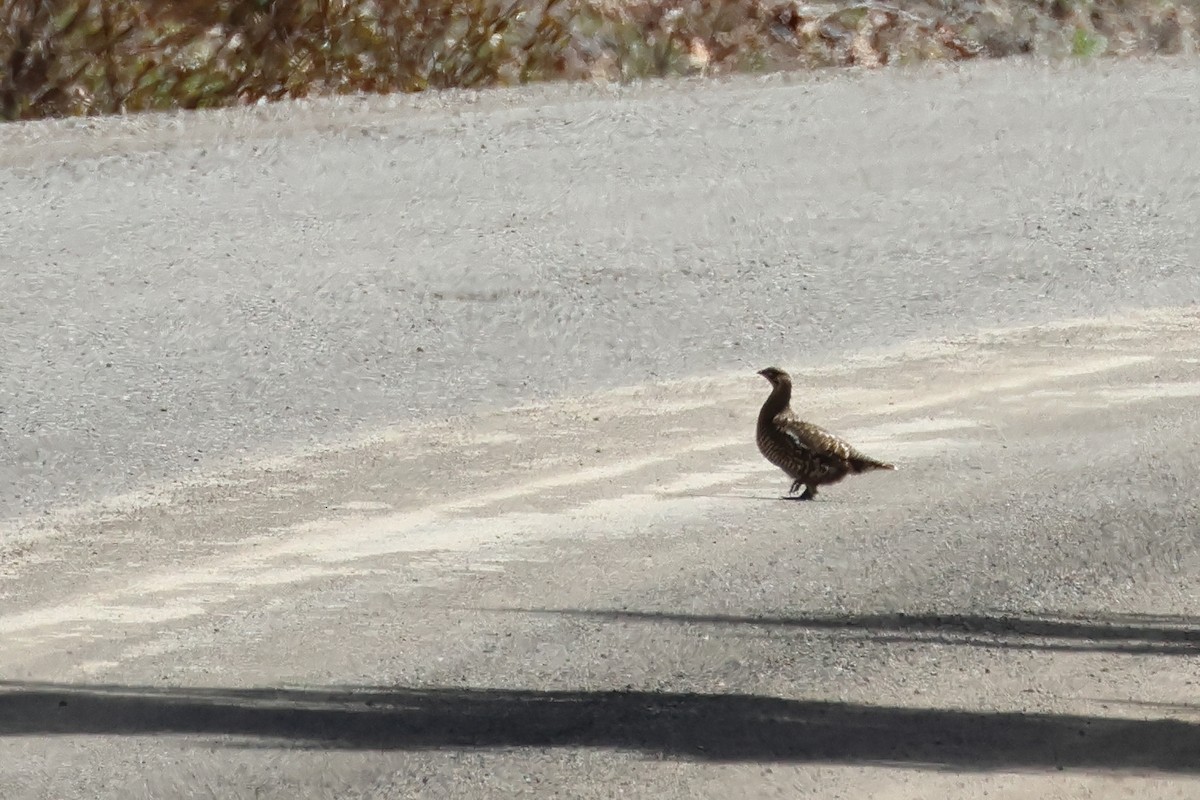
(775, 375)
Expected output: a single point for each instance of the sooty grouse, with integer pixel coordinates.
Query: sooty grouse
(810, 455)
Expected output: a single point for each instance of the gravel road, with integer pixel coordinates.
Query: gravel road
(403, 447)
(180, 290)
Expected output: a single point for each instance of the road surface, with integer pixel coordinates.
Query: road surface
(540, 556)
(180, 291)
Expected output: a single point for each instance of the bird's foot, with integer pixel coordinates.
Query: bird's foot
(809, 492)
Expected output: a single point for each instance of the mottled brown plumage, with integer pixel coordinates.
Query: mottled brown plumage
(811, 456)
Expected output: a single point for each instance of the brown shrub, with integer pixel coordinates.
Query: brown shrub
(68, 57)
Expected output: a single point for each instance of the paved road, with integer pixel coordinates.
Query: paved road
(181, 290)
(599, 593)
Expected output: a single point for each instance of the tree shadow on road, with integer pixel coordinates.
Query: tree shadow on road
(1134, 634)
(701, 727)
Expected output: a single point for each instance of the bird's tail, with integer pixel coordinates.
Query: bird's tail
(866, 464)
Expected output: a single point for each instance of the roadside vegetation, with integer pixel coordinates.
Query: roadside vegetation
(79, 57)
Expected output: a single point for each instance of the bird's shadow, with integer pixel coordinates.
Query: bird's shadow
(732, 496)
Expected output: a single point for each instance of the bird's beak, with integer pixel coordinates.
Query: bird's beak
(763, 372)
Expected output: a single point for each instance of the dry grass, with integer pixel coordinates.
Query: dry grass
(72, 57)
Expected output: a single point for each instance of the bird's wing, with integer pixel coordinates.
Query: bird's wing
(813, 439)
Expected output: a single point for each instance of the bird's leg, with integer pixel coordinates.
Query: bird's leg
(810, 492)
(795, 487)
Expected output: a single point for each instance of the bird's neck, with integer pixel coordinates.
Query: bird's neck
(781, 397)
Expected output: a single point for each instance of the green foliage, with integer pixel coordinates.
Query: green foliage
(1085, 44)
(72, 57)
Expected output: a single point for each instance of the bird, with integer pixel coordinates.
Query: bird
(810, 455)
